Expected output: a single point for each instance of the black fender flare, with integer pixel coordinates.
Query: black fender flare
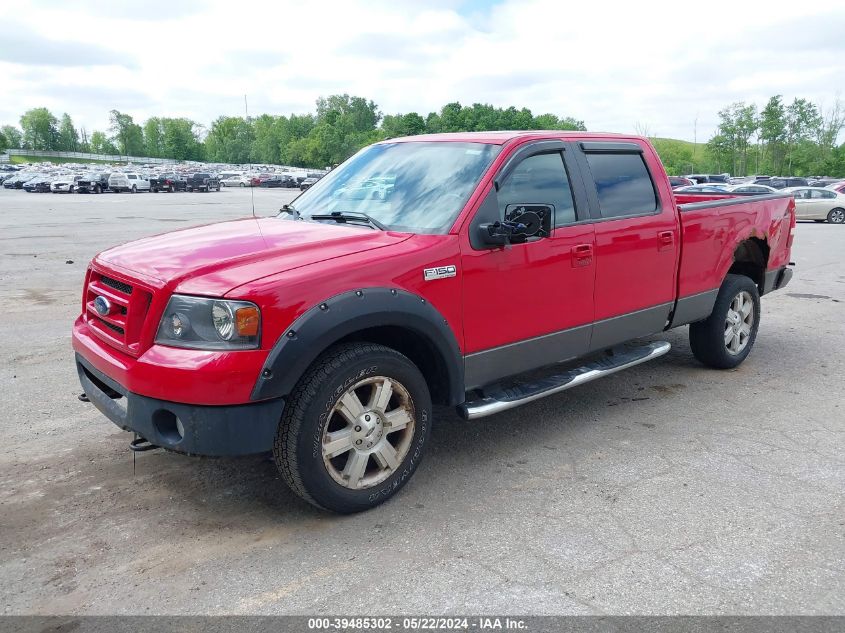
(349, 312)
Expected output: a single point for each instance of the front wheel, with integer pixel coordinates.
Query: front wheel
(134, 189)
(725, 338)
(355, 428)
(836, 216)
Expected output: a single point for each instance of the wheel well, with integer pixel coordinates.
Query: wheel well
(417, 348)
(750, 259)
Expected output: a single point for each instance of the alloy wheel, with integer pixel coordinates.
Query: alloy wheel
(368, 432)
(739, 322)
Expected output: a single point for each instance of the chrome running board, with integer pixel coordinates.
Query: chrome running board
(616, 359)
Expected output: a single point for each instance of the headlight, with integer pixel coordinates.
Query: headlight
(202, 323)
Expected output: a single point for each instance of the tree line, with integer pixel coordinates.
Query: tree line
(341, 125)
(797, 138)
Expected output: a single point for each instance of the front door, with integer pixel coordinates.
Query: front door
(529, 304)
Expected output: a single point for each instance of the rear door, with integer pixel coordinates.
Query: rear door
(530, 304)
(637, 238)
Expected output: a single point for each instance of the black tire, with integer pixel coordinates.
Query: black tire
(134, 189)
(243, 185)
(97, 189)
(707, 338)
(308, 413)
(836, 216)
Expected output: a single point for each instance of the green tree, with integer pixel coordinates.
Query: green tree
(802, 123)
(39, 129)
(396, 125)
(180, 140)
(230, 140)
(268, 131)
(68, 137)
(84, 143)
(14, 137)
(127, 134)
(773, 134)
(355, 114)
(4, 142)
(102, 144)
(154, 137)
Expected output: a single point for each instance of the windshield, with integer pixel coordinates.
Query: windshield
(419, 187)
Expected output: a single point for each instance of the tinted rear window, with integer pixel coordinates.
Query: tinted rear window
(623, 184)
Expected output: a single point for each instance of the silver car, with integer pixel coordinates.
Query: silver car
(819, 204)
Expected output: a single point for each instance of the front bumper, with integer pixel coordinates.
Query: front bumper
(192, 429)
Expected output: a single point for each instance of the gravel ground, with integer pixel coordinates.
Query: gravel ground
(665, 489)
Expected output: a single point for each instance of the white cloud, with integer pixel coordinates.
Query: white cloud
(613, 64)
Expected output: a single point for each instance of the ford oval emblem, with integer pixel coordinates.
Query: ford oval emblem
(102, 305)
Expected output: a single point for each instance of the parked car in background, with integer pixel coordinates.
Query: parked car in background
(782, 182)
(705, 188)
(680, 181)
(39, 184)
(65, 184)
(306, 184)
(751, 188)
(238, 180)
(284, 181)
(819, 204)
(839, 187)
(709, 178)
(17, 181)
(131, 182)
(94, 182)
(203, 181)
(168, 182)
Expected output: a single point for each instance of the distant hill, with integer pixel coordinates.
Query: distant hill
(683, 157)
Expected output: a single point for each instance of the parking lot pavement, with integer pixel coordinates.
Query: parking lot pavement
(668, 488)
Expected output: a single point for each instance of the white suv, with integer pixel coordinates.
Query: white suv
(132, 182)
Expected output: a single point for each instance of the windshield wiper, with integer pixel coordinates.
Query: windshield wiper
(342, 217)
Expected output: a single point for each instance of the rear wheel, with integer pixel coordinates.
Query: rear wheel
(725, 338)
(97, 189)
(243, 185)
(355, 428)
(836, 216)
(134, 189)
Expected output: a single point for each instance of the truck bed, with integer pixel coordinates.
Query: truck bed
(712, 225)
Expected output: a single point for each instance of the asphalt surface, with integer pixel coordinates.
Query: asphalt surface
(665, 489)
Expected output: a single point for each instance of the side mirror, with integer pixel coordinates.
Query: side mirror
(522, 222)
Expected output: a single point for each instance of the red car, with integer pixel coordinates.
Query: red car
(430, 269)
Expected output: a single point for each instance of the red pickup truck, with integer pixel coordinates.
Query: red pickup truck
(479, 270)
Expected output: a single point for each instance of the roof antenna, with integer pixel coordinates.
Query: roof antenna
(251, 187)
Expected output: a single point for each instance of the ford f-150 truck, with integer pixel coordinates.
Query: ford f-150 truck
(497, 268)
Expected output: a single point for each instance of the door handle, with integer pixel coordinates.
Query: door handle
(582, 255)
(665, 240)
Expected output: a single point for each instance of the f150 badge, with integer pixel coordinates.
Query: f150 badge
(441, 272)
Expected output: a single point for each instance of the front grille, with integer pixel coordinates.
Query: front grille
(121, 326)
(113, 328)
(117, 285)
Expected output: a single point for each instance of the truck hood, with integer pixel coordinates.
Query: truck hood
(213, 259)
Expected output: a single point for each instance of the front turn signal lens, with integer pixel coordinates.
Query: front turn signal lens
(247, 321)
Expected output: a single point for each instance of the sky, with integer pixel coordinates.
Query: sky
(663, 68)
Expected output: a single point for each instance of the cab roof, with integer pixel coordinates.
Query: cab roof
(504, 136)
